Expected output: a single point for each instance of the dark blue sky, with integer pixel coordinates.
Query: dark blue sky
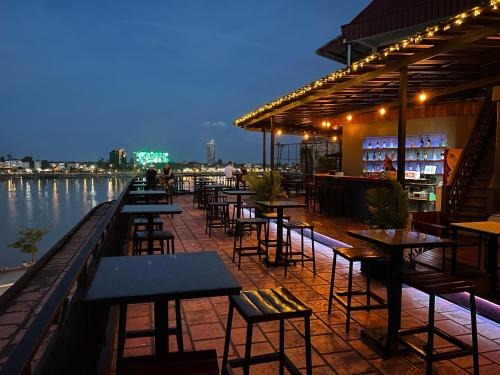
(79, 78)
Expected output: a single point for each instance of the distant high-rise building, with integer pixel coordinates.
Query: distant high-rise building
(118, 158)
(211, 152)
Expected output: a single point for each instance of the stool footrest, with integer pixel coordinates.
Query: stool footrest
(263, 358)
(381, 303)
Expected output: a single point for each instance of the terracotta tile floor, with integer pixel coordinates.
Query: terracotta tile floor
(334, 351)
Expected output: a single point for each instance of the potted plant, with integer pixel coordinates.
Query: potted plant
(28, 239)
(267, 186)
(389, 207)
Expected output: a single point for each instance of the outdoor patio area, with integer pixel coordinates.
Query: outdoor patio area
(333, 351)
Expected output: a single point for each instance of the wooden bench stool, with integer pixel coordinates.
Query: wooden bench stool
(352, 255)
(267, 305)
(434, 283)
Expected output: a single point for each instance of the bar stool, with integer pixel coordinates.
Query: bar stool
(434, 283)
(267, 305)
(141, 223)
(156, 235)
(267, 241)
(299, 225)
(354, 255)
(243, 225)
(217, 216)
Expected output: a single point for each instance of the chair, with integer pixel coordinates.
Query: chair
(436, 283)
(267, 305)
(243, 225)
(354, 255)
(299, 225)
(156, 235)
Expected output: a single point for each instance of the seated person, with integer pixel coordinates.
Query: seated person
(151, 176)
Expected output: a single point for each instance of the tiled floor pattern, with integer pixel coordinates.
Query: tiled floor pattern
(334, 352)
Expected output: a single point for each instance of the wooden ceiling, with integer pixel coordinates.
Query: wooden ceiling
(447, 63)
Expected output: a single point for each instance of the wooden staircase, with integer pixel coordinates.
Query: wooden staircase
(467, 198)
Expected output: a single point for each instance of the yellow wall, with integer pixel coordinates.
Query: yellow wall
(457, 128)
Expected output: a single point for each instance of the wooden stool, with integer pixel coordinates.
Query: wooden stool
(267, 305)
(300, 225)
(434, 283)
(354, 255)
(217, 216)
(243, 225)
(156, 235)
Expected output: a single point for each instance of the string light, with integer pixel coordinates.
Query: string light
(335, 138)
(349, 117)
(306, 136)
(279, 132)
(429, 32)
(422, 97)
(382, 111)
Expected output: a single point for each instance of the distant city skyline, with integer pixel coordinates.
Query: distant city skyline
(80, 78)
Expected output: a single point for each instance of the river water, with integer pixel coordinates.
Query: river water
(56, 204)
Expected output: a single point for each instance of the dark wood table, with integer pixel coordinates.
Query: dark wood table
(148, 194)
(150, 210)
(491, 229)
(239, 194)
(159, 279)
(394, 241)
(279, 205)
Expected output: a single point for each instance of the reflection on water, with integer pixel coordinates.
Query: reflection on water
(57, 204)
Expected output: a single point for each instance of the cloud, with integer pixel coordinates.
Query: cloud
(214, 124)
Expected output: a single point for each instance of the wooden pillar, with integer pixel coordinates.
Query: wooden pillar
(493, 193)
(403, 98)
(264, 148)
(272, 143)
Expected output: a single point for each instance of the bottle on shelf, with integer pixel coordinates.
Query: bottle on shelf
(411, 155)
(421, 142)
(425, 154)
(369, 144)
(411, 167)
(379, 155)
(418, 167)
(442, 154)
(434, 157)
(391, 145)
(367, 156)
(441, 142)
(418, 155)
(377, 144)
(412, 144)
(429, 142)
(383, 143)
(373, 156)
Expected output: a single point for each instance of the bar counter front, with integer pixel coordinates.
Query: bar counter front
(345, 196)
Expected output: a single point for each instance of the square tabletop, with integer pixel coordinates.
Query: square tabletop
(141, 209)
(147, 192)
(488, 227)
(136, 279)
(399, 238)
(239, 192)
(281, 204)
(215, 186)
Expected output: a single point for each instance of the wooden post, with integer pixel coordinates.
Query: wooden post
(493, 193)
(403, 98)
(272, 143)
(264, 148)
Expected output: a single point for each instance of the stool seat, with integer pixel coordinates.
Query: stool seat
(437, 283)
(297, 225)
(274, 215)
(155, 235)
(251, 220)
(356, 254)
(269, 304)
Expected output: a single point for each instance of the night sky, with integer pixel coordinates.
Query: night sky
(79, 78)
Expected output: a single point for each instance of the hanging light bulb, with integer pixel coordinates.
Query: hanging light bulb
(335, 138)
(382, 111)
(279, 132)
(422, 97)
(349, 117)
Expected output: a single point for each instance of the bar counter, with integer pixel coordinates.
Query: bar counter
(346, 195)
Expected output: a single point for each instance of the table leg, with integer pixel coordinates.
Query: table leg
(279, 234)
(238, 206)
(492, 245)
(161, 327)
(394, 292)
(150, 228)
(454, 236)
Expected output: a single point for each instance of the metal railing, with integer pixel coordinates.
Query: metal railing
(471, 157)
(56, 311)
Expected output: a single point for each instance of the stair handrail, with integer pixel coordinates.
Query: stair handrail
(469, 159)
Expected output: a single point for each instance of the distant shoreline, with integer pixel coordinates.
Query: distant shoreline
(66, 175)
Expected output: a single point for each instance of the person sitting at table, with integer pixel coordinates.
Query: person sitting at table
(168, 177)
(151, 176)
(229, 170)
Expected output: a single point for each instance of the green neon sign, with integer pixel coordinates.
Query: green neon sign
(150, 157)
